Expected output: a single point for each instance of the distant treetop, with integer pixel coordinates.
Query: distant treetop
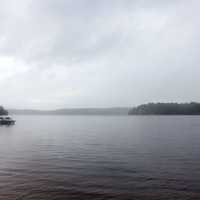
(3, 111)
(192, 108)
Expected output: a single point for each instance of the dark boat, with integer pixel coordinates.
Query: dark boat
(6, 121)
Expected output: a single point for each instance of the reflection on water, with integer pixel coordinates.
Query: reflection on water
(87, 157)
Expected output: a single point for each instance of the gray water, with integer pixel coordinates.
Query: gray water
(100, 157)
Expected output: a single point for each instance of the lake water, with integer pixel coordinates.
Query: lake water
(100, 157)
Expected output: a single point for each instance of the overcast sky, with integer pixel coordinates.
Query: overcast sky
(98, 53)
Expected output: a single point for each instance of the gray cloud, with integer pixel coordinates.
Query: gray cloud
(98, 53)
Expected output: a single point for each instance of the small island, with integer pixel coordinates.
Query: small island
(3, 111)
(192, 108)
(5, 120)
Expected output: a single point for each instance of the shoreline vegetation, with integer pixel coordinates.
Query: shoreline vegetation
(192, 108)
(3, 111)
(75, 111)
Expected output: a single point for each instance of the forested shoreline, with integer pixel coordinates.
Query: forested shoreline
(192, 108)
(3, 111)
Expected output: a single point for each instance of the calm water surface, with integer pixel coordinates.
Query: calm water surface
(98, 157)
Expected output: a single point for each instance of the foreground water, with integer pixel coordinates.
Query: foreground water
(98, 157)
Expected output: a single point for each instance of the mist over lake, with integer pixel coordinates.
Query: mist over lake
(99, 100)
(100, 157)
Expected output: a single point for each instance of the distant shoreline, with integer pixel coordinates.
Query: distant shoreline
(150, 109)
(192, 108)
(74, 111)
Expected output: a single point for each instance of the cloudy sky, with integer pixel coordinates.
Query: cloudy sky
(98, 53)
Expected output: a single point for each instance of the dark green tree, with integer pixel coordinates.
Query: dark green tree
(192, 108)
(3, 111)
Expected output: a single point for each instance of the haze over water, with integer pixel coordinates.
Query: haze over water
(99, 157)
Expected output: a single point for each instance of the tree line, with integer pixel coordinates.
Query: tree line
(3, 111)
(192, 108)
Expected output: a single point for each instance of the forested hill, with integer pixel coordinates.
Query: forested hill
(167, 109)
(3, 111)
(75, 111)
